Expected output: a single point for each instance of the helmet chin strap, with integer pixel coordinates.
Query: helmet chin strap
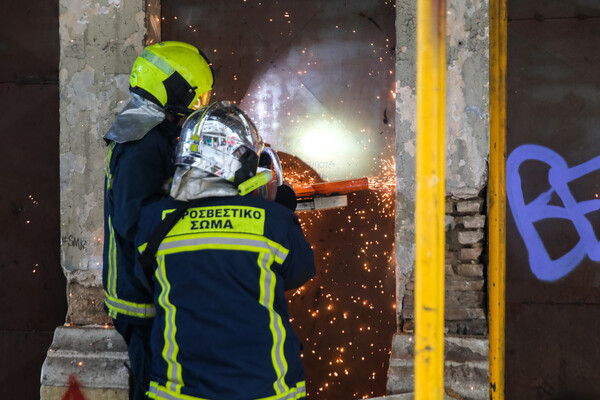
(180, 94)
(175, 118)
(249, 161)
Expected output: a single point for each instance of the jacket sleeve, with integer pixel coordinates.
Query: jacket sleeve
(299, 265)
(137, 180)
(144, 273)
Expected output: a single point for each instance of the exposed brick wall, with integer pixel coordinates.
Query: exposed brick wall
(86, 305)
(466, 271)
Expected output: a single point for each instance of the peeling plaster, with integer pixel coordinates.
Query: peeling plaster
(406, 106)
(70, 164)
(75, 16)
(122, 83)
(87, 204)
(99, 42)
(406, 112)
(136, 39)
(466, 104)
(74, 19)
(410, 147)
(400, 183)
(78, 94)
(84, 277)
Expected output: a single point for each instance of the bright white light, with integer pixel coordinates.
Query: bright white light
(328, 147)
(321, 138)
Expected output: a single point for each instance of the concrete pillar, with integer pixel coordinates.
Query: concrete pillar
(467, 115)
(99, 42)
(97, 356)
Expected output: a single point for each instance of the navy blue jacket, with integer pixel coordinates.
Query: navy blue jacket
(137, 173)
(222, 329)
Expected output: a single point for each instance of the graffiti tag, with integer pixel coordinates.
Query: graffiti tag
(73, 241)
(525, 215)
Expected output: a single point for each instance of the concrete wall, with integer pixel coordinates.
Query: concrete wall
(467, 115)
(98, 41)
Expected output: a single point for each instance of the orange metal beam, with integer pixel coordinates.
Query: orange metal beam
(331, 188)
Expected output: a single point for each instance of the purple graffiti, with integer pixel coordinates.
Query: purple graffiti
(525, 215)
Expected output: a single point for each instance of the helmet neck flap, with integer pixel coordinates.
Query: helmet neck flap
(136, 119)
(191, 183)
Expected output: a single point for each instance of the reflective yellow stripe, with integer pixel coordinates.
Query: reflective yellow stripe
(230, 241)
(116, 306)
(159, 392)
(157, 62)
(111, 283)
(267, 299)
(112, 261)
(170, 349)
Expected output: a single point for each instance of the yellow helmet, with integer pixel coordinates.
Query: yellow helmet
(174, 75)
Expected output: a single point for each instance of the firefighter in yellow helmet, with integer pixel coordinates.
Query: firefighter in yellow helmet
(169, 80)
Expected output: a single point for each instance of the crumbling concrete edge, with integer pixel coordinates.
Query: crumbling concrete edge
(95, 355)
(466, 366)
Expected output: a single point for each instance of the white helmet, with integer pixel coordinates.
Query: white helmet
(221, 140)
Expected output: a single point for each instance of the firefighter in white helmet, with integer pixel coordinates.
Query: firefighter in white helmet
(218, 264)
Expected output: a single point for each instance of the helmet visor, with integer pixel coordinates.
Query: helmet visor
(201, 101)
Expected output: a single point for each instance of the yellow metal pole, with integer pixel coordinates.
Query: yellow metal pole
(430, 199)
(497, 196)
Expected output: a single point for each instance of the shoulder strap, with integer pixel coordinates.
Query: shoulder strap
(147, 257)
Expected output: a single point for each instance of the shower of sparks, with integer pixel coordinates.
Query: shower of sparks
(384, 184)
(345, 316)
(352, 298)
